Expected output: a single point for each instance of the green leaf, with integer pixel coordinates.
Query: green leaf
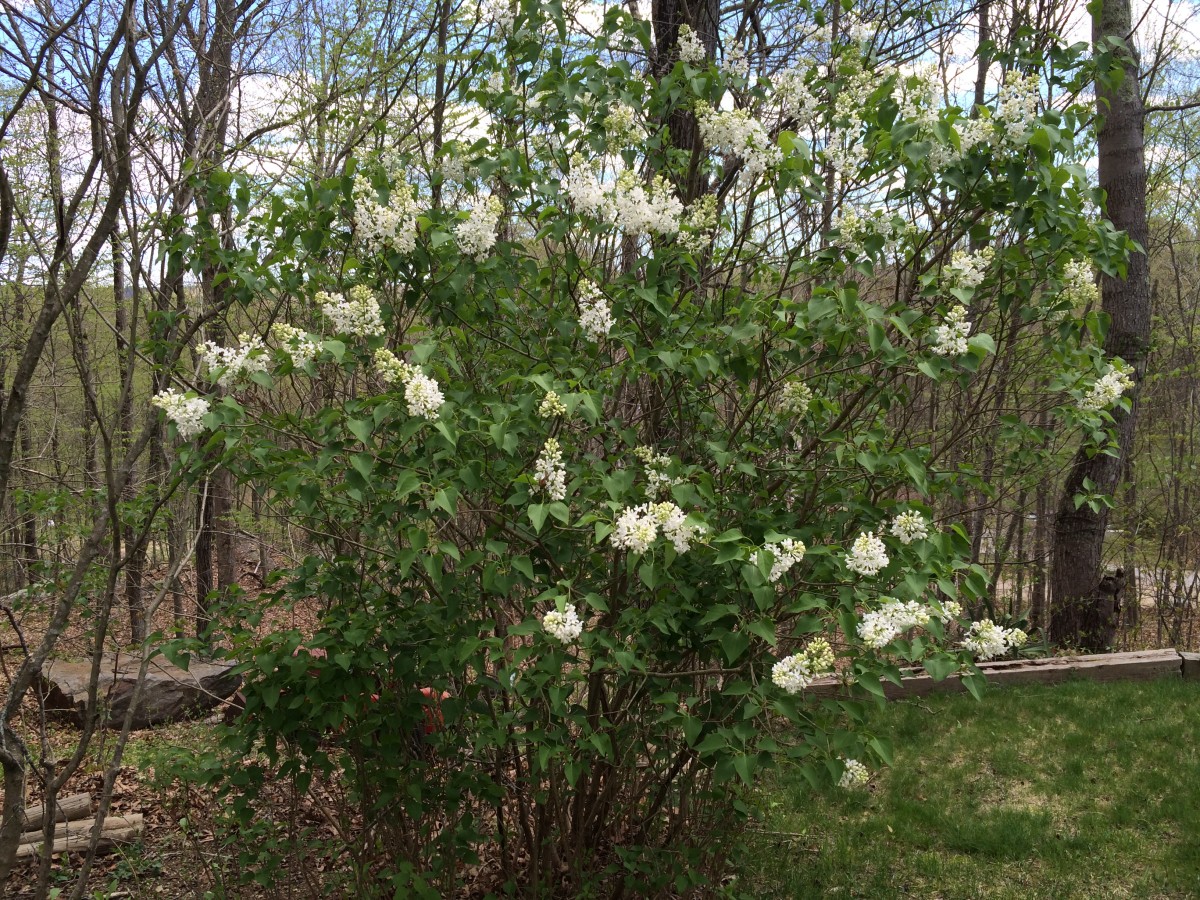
(649, 575)
(871, 684)
(717, 612)
(976, 683)
(982, 341)
(883, 747)
(744, 765)
(361, 429)
(940, 666)
(176, 655)
(765, 629)
(364, 465)
(734, 643)
(447, 499)
(729, 552)
(711, 744)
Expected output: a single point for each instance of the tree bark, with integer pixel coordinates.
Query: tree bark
(204, 554)
(703, 18)
(1079, 532)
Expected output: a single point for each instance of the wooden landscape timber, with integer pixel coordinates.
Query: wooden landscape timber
(66, 809)
(1134, 666)
(75, 830)
(76, 836)
(1191, 664)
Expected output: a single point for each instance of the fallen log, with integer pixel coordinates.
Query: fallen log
(66, 809)
(117, 830)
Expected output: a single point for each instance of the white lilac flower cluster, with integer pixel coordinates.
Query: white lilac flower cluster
(358, 314)
(1014, 115)
(859, 30)
(785, 554)
(987, 640)
(423, 396)
(854, 228)
(691, 50)
(645, 210)
(550, 473)
(910, 526)
(380, 227)
(421, 393)
(881, 626)
(390, 368)
(296, 343)
(1016, 105)
(501, 13)
(699, 223)
(587, 194)
(1079, 284)
(477, 235)
(796, 672)
(854, 775)
(858, 83)
(735, 63)
(737, 132)
(620, 125)
(797, 102)
(453, 168)
(973, 132)
(844, 154)
(1107, 390)
(595, 315)
(658, 479)
(637, 527)
(950, 338)
(867, 556)
(967, 270)
(551, 406)
(942, 155)
(185, 410)
(919, 103)
(951, 609)
(795, 398)
(564, 626)
(234, 363)
(627, 203)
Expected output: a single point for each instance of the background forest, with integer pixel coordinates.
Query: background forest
(725, 243)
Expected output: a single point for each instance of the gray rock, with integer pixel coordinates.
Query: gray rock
(170, 693)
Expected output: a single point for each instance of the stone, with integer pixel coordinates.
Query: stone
(170, 694)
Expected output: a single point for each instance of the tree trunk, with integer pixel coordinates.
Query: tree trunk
(1079, 533)
(225, 530)
(702, 17)
(204, 555)
(29, 545)
(125, 360)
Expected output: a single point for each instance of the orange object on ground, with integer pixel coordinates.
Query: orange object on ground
(434, 721)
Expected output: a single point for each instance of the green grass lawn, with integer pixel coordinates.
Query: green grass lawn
(1077, 790)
